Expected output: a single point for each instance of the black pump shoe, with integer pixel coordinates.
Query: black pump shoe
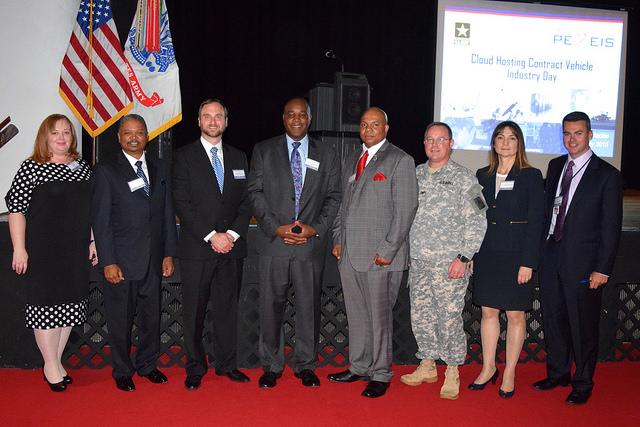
(492, 380)
(55, 387)
(506, 394)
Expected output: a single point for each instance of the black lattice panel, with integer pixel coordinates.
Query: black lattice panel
(334, 331)
(627, 323)
(88, 345)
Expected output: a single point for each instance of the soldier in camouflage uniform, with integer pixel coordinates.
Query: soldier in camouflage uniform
(447, 231)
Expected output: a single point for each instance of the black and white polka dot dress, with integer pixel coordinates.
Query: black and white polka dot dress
(55, 199)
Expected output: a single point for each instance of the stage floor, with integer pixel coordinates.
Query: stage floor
(631, 210)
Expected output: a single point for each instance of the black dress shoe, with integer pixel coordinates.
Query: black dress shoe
(578, 397)
(125, 384)
(234, 375)
(506, 394)
(268, 379)
(308, 377)
(155, 376)
(67, 380)
(55, 387)
(478, 387)
(346, 377)
(551, 383)
(375, 389)
(193, 382)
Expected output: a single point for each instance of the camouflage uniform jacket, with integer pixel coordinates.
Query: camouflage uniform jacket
(446, 223)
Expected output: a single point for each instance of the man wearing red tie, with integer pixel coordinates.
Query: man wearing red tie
(582, 230)
(380, 197)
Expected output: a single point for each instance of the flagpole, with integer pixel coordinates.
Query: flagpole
(94, 154)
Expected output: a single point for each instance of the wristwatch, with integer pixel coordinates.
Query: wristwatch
(463, 258)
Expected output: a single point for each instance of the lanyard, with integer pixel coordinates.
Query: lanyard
(559, 187)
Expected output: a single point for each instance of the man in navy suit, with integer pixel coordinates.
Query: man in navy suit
(210, 196)
(582, 229)
(135, 232)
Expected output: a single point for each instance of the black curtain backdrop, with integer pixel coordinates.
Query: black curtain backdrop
(255, 56)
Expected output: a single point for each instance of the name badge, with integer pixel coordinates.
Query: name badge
(312, 164)
(239, 174)
(506, 185)
(352, 178)
(136, 184)
(557, 202)
(73, 165)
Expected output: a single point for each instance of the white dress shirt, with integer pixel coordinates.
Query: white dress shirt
(373, 150)
(579, 166)
(133, 161)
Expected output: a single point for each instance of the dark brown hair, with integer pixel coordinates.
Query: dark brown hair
(521, 161)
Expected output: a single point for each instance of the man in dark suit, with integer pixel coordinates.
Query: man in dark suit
(210, 196)
(295, 192)
(582, 230)
(135, 232)
(370, 235)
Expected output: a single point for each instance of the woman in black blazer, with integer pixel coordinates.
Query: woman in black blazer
(509, 253)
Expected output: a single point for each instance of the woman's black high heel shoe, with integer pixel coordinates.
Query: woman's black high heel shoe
(506, 394)
(478, 387)
(56, 387)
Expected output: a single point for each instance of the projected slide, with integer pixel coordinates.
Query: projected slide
(530, 66)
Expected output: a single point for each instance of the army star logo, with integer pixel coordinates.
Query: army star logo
(462, 30)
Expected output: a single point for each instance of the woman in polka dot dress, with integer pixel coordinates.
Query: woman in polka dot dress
(48, 204)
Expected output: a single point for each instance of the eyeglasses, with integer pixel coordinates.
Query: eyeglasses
(436, 141)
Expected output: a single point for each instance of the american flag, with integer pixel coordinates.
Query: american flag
(94, 80)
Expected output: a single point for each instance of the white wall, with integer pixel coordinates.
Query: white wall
(34, 35)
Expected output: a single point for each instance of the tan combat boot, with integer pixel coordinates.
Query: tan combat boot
(425, 373)
(451, 387)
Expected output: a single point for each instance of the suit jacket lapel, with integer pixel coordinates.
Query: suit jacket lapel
(202, 161)
(553, 177)
(490, 185)
(311, 176)
(228, 170)
(282, 156)
(128, 173)
(371, 169)
(154, 179)
(511, 176)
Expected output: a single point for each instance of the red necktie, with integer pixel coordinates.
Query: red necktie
(361, 164)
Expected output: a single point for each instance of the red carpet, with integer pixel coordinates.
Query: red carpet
(25, 400)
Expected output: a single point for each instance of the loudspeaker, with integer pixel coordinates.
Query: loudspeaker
(351, 99)
(344, 143)
(321, 103)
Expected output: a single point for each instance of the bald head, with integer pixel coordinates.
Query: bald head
(373, 126)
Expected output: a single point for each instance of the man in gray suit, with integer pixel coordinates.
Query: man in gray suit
(370, 233)
(294, 186)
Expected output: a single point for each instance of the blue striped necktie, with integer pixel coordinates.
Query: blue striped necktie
(217, 167)
(141, 174)
(296, 171)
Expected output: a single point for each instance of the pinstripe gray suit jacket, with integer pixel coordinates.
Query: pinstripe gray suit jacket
(377, 210)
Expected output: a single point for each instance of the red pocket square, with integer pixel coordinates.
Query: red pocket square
(379, 176)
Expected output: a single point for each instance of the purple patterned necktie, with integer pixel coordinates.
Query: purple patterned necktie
(564, 192)
(296, 171)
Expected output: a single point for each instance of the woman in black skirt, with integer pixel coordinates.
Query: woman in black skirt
(48, 206)
(503, 267)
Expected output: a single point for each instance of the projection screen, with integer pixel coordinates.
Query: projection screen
(533, 64)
